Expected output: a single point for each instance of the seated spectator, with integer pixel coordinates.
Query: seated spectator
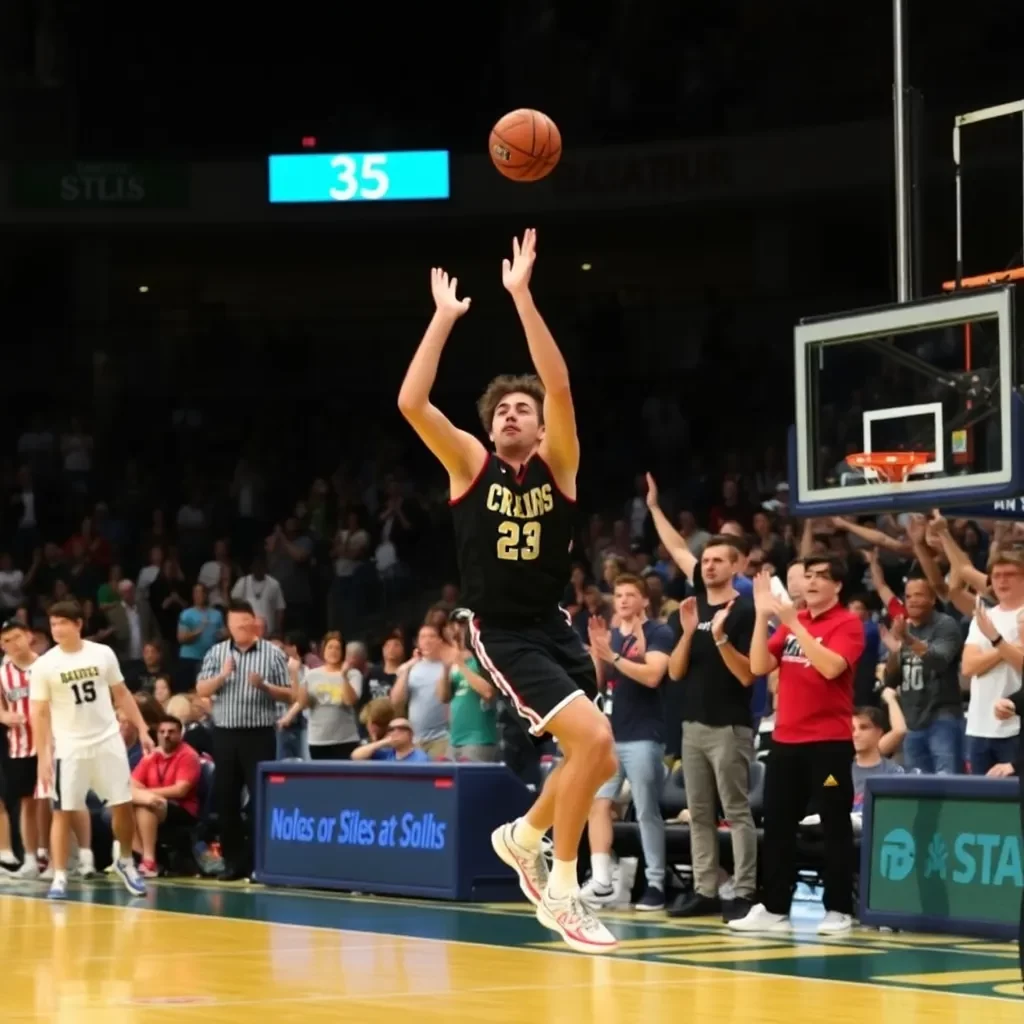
(376, 716)
(397, 745)
(152, 711)
(198, 734)
(873, 745)
(162, 691)
(165, 793)
(153, 666)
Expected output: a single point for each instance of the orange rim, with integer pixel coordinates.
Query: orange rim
(893, 466)
(984, 280)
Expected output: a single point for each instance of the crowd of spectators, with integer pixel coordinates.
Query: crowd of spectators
(370, 666)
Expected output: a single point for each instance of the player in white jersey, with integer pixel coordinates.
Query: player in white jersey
(74, 688)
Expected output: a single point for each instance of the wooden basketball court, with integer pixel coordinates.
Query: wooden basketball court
(194, 952)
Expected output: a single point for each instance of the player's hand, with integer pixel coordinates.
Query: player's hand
(44, 772)
(13, 719)
(652, 492)
(718, 622)
(515, 276)
(443, 289)
(1001, 771)
(146, 741)
(1004, 709)
(688, 614)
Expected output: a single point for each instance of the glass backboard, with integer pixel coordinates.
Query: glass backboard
(907, 406)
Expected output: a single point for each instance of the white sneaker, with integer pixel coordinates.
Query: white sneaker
(86, 867)
(573, 920)
(833, 923)
(530, 865)
(595, 895)
(760, 919)
(47, 875)
(26, 873)
(58, 889)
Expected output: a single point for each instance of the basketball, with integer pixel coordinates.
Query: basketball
(525, 145)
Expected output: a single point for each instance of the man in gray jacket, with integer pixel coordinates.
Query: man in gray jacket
(923, 664)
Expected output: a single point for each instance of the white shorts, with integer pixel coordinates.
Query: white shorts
(101, 768)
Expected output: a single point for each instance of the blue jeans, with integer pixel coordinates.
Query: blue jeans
(643, 763)
(983, 752)
(936, 749)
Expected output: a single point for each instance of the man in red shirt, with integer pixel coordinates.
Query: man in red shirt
(165, 792)
(816, 651)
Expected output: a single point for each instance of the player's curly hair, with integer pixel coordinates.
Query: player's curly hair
(508, 384)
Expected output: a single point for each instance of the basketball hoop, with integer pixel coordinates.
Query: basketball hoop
(893, 467)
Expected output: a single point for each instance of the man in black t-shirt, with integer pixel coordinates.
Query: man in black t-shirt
(711, 660)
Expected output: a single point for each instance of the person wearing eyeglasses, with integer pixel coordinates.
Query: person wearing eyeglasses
(397, 745)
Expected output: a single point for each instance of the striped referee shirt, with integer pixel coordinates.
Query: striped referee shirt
(238, 704)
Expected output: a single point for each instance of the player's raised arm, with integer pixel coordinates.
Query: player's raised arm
(560, 447)
(459, 452)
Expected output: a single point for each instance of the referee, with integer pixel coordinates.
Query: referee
(245, 677)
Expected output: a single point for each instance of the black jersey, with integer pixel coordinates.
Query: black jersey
(513, 533)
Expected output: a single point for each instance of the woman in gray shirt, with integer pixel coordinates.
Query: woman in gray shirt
(331, 694)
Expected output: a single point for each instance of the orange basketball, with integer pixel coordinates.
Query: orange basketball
(525, 145)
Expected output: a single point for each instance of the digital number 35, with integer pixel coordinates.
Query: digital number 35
(369, 179)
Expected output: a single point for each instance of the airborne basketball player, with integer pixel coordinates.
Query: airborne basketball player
(513, 512)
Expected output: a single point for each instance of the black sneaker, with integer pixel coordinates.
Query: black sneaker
(733, 910)
(652, 899)
(695, 905)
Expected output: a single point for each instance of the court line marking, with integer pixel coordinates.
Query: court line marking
(873, 940)
(607, 958)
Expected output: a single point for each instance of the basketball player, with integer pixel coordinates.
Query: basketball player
(513, 513)
(74, 688)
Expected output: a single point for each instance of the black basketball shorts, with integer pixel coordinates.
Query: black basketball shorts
(539, 668)
(21, 778)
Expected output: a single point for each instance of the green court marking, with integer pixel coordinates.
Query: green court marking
(861, 957)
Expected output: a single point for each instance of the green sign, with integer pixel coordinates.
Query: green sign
(104, 185)
(946, 858)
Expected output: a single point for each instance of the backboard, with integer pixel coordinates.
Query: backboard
(931, 382)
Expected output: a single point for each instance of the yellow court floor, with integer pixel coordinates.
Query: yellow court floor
(192, 952)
